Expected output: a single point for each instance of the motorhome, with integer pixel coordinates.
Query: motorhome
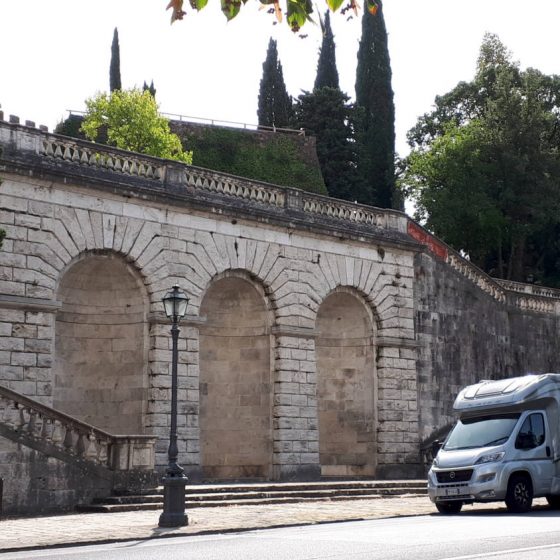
(504, 446)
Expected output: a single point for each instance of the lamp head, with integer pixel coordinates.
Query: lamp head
(175, 303)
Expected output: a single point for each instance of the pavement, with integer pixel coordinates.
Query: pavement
(97, 528)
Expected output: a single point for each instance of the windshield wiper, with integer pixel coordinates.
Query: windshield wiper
(498, 441)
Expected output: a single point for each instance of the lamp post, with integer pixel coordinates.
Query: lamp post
(174, 482)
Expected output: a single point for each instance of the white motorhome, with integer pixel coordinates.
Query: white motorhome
(504, 446)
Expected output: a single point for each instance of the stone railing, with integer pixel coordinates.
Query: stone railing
(332, 208)
(530, 289)
(527, 297)
(31, 423)
(185, 180)
(94, 155)
(229, 185)
(474, 274)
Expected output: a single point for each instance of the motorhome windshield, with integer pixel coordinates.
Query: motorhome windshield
(482, 431)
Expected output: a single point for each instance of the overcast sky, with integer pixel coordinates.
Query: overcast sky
(56, 53)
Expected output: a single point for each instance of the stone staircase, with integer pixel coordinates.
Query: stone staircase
(214, 495)
(124, 461)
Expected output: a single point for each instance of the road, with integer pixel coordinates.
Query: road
(469, 536)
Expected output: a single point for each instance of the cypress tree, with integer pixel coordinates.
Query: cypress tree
(151, 88)
(327, 74)
(326, 114)
(275, 105)
(374, 95)
(115, 69)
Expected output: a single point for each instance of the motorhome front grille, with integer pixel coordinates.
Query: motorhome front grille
(454, 476)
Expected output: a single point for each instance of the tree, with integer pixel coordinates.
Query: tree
(275, 105)
(326, 114)
(151, 88)
(298, 12)
(132, 122)
(374, 94)
(485, 168)
(115, 68)
(327, 74)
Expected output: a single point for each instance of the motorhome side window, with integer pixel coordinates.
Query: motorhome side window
(531, 434)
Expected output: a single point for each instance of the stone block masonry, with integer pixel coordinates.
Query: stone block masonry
(317, 340)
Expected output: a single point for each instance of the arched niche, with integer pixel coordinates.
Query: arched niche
(235, 382)
(101, 344)
(346, 386)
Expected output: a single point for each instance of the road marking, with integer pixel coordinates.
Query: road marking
(502, 552)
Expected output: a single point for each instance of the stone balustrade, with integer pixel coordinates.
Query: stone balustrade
(29, 422)
(235, 186)
(93, 155)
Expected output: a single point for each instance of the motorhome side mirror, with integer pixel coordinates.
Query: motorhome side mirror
(436, 446)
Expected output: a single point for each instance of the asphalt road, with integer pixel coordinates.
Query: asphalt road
(468, 536)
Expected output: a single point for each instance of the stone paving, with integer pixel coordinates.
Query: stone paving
(40, 532)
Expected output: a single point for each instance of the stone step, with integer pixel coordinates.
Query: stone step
(114, 508)
(214, 495)
(247, 495)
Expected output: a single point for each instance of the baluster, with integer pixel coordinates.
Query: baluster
(32, 418)
(103, 455)
(47, 430)
(56, 434)
(68, 442)
(11, 417)
(4, 405)
(81, 444)
(22, 417)
(91, 449)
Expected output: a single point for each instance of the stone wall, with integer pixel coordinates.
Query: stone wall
(467, 334)
(321, 337)
(258, 264)
(37, 484)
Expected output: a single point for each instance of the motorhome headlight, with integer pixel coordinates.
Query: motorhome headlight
(435, 462)
(490, 458)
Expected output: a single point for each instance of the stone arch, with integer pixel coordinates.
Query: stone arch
(101, 343)
(235, 379)
(346, 385)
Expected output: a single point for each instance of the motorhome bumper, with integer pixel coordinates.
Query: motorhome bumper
(482, 485)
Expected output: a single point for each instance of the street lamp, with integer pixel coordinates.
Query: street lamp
(174, 482)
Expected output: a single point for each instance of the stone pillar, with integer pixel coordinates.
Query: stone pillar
(398, 436)
(295, 421)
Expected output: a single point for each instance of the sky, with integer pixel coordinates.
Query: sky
(56, 53)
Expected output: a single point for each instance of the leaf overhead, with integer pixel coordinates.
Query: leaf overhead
(334, 5)
(177, 7)
(230, 8)
(298, 11)
(372, 7)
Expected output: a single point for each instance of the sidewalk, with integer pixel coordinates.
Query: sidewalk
(90, 528)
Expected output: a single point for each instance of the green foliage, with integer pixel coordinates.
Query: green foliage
(275, 105)
(115, 68)
(327, 115)
(71, 126)
(273, 158)
(298, 11)
(133, 123)
(485, 168)
(376, 129)
(327, 74)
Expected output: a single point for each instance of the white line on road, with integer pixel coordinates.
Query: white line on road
(502, 552)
